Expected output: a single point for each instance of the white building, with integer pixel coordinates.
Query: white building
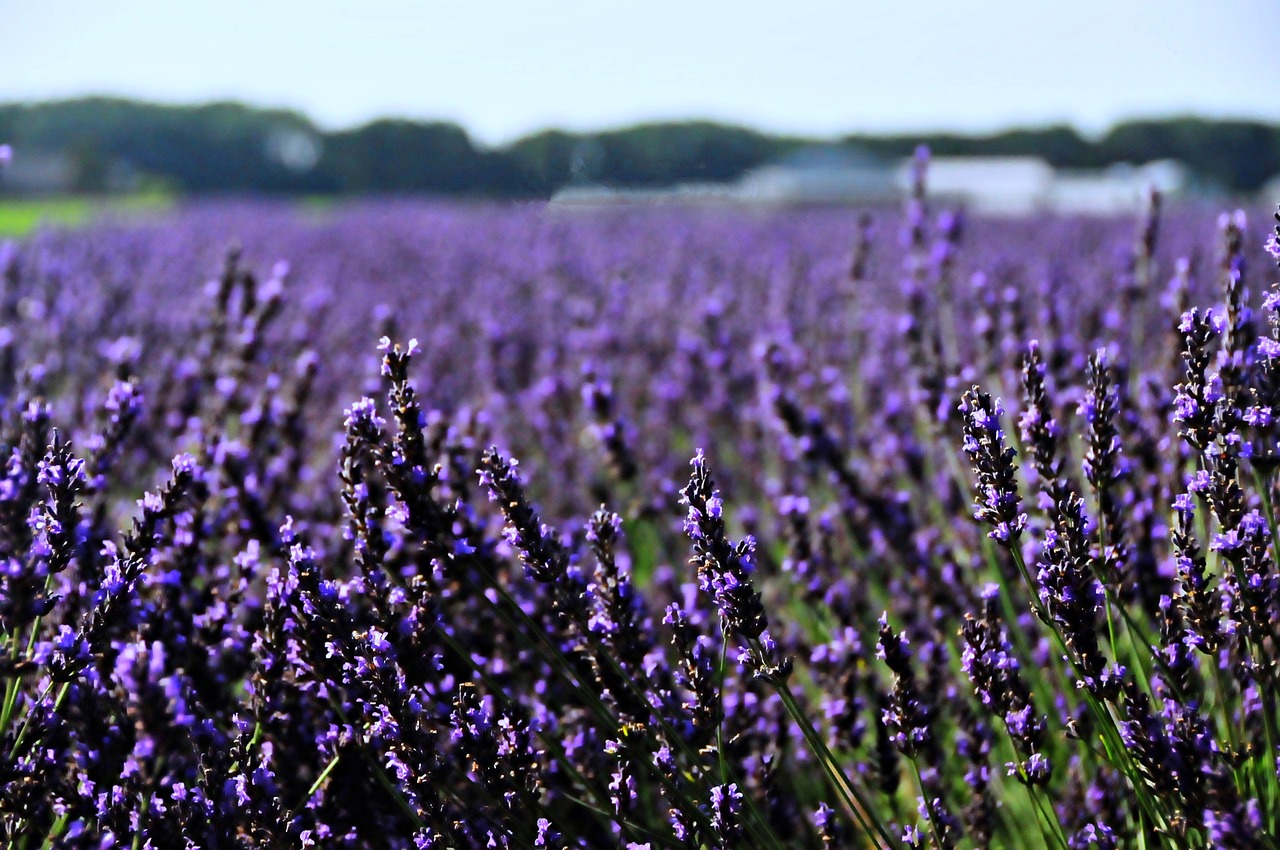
(839, 174)
(1002, 186)
(820, 174)
(993, 185)
(1120, 189)
(594, 195)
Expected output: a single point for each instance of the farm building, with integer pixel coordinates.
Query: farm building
(839, 174)
(1119, 189)
(1014, 185)
(821, 174)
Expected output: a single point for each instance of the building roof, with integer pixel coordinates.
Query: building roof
(832, 157)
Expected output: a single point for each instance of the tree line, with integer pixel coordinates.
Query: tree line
(234, 148)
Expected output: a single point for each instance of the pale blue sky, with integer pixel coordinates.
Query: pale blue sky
(505, 68)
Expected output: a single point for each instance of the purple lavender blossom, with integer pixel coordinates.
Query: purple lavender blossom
(540, 552)
(997, 502)
(724, 569)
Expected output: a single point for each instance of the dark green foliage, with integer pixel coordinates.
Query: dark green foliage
(232, 148)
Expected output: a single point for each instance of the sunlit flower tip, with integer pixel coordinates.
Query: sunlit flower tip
(1200, 482)
(1269, 347)
(1259, 417)
(546, 835)
(726, 806)
(151, 502)
(384, 344)
(1185, 408)
(1037, 769)
(363, 412)
(186, 464)
(1273, 247)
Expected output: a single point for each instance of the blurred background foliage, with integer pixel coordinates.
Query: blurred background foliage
(108, 145)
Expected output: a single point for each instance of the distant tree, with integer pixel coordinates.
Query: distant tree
(542, 162)
(662, 154)
(644, 155)
(404, 156)
(1240, 155)
(219, 147)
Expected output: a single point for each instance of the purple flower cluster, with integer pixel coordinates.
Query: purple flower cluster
(266, 584)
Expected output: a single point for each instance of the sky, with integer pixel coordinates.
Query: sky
(504, 68)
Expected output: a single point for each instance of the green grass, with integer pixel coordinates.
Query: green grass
(20, 216)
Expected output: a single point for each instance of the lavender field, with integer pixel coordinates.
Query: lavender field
(464, 526)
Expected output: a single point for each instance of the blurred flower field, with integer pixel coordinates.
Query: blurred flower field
(441, 525)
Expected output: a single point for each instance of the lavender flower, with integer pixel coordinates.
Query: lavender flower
(318, 632)
(1195, 402)
(724, 569)
(1104, 465)
(997, 501)
(1039, 429)
(989, 661)
(1072, 598)
(542, 555)
(726, 814)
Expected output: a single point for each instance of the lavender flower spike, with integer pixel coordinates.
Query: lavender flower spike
(542, 555)
(723, 569)
(997, 500)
